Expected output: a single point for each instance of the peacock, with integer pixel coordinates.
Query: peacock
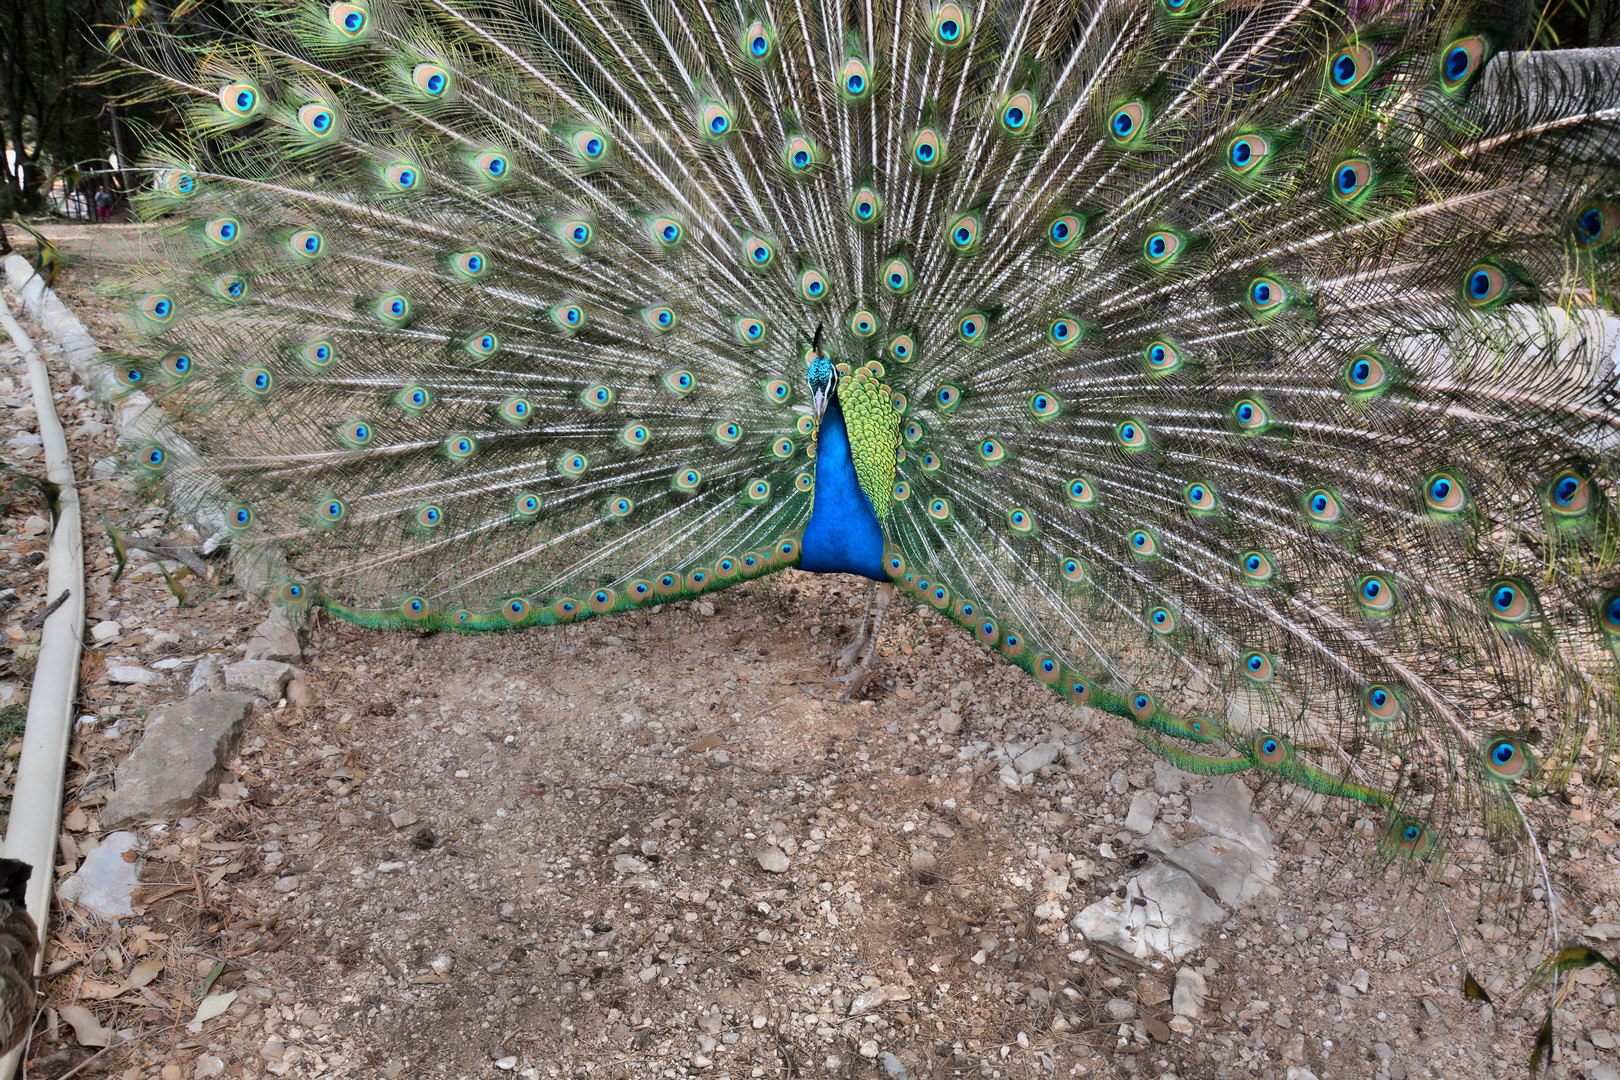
(1243, 369)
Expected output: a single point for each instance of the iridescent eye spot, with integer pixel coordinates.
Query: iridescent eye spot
(1257, 667)
(222, 231)
(970, 328)
(865, 206)
(963, 233)
(682, 382)
(1266, 295)
(778, 392)
(356, 433)
(590, 146)
(1247, 153)
(515, 610)
(1484, 285)
(1161, 357)
(159, 307)
(1250, 415)
(570, 317)
(1081, 492)
(1256, 566)
(239, 517)
(620, 507)
(728, 432)
(430, 517)
(1161, 247)
(1065, 332)
(1018, 113)
(1350, 67)
(662, 319)
(1351, 178)
(230, 287)
(154, 458)
(1064, 231)
(927, 149)
(897, 276)
(1020, 521)
(1044, 405)
(492, 165)
(782, 448)
(855, 79)
(393, 309)
(483, 345)
(1609, 612)
(759, 490)
(576, 232)
(1143, 706)
(1460, 60)
(177, 365)
(812, 285)
(1444, 494)
(469, 265)
(1366, 373)
(948, 397)
(991, 451)
(131, 376)
(573, 465)
(950, 25)
(347, 19)
(1510, 601)
(1380, 703)
(1142, 544)
(460, 447)
(717, 120)
(895, 564)
(182, 185)
(239, 99)
(758, 42)
(431, 79)
(402, 176)
(1073, 570)
(863, 323)
(1408, 838)
(1012, 644)
(931, 461)
(1161, 620)
(987, 630)
(1323, 507)
(1596, 225)
(1507, 759)
(516, 411)
(332, 511)
(1131, 434)
(1569, 494)
(902, 491)
(1375, 595)
(800, 155)
(1127, 121)
(939, 509)
(804, 483)
(257, 381)
(526, 504)
(1270, 750)
(1199, 497)
(750, 329)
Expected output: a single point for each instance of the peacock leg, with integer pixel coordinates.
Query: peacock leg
(848, 659)
(862, 670)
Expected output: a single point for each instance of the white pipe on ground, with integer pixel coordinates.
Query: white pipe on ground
(36, 805)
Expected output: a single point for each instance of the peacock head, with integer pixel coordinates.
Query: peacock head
(822, 376)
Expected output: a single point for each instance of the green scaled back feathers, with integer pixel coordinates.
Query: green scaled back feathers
(1252, 363)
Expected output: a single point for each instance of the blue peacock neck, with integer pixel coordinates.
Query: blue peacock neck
(843, 535)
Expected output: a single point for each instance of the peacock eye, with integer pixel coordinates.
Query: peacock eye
(491, 165)
(865, 206)
(1322, 507)
(1484, 285)
(758, 42)
(1510, 601)
(963, 233)
(1597, 225)
(1044, 405)
(1257, 566)
(1350, 67)
(1064, 231)
(1162, 357)
(1017, 115)
(812, 285)
(927, 150)
(306, 243)
(800, 155)
(759, 252)
(1460, 60)
(1352, 179)
(897, 277)
(1266, 295)
(239, 99)
(1445, 494)
(863, 323)
(1127, 121)
(1569, 494)
(1199, 497)
(950, 25)
(1160, 248)
(717, 120)
(1246, 154)
(1375, 595)
(431, 79)
(855, 79)
(1065, 332)
(970, 328)
(1366, 374)
(347, 19)
(1131, 434)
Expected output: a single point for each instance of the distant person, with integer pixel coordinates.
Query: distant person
(103, 203)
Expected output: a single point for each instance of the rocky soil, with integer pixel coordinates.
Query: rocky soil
(639, 848)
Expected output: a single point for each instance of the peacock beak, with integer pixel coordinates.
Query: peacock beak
(818, 403)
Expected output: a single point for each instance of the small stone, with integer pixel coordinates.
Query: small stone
(106, 631)
(709, 1022)
(1144, 808)
(300, 694)
(1157, 1028)
(205, 676)
(275, 639)
(180, 759)
(262, 678)
(35, 526)
(1181, 1025)
(287, 884)
(106, 880)
(923, 861)
(273, 1050)
(171, 1071)
(403, 819)
(1037, 757)
(506, 1064)
(759, 1022)
(1190, 988)
(390, 867)
(172, 663)
(648, 974)
(950, 722)
(869, 1048)
(629, 864)
(770, 857)
(1151, 992)
(131, 675)
(208, 1066)
(1119, 1010)
(442, 964)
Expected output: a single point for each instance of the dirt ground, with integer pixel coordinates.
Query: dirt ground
(538, 855)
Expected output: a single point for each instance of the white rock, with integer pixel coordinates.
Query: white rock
(950, 722)
(262, 678)
(131, 675)
(869, 1048)
(108, 882)
(1037, 757)
(105, 631)
(771, 858)
(173, 663)
(629, 864)
(1190, 988)
(207, 1067)
(442, 964)
(506, 1064)
(1144, 808)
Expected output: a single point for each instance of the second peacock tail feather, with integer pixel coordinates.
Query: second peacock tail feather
(1238, 369)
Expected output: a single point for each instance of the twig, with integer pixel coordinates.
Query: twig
(38, 621)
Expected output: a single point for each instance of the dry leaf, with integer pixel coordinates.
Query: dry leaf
(86, 1028)
(213, 1005)
(224, 871)
(145, 972)
(76, 820)
(96, 990)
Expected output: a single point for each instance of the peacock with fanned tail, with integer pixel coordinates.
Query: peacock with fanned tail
(1241, 369)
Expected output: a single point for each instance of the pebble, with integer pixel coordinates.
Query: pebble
(131, 675)
(106, 631)
(287, 884)
(950, 722)
(442, 964)
(403, 819)
(869, 1048)
(506, 1064)
(771, 858)
(207, 1067)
